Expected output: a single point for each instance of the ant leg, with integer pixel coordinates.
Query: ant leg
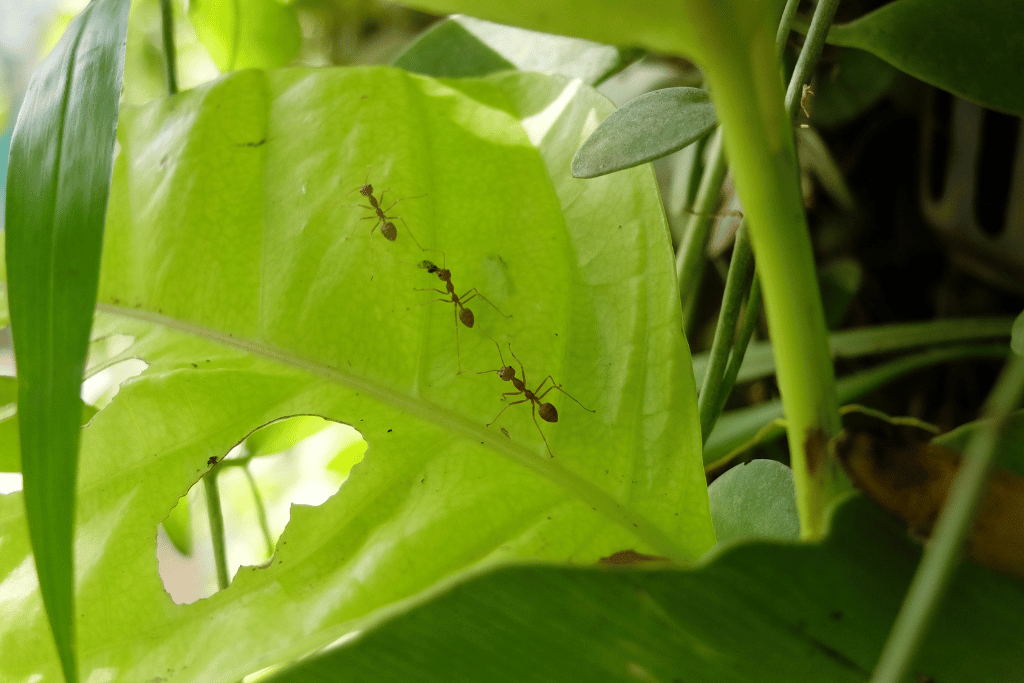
(373, 263)
(458, 347)
(533, 410)
(503, 410)
(473, 293)
(419, 196)
(432, 289)
(484, 372)
(412, 235)
(518, 361)
(557, 386)
(444, 301)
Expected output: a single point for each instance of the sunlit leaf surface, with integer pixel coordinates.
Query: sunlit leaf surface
(235, 226)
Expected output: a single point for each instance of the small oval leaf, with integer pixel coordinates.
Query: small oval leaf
(644, 129)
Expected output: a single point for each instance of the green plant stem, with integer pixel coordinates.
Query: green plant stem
(759, 139)
(943, 552)
(786, 24)
(740, 269)
(213, 509)
(810, 52)
(739, 349)
(690, 257)
(717, 382)
(261, 511)
(170, 56)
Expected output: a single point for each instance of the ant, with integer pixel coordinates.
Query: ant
(547, 411)
(461, 312)
(387, 227)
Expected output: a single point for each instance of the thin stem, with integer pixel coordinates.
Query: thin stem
(810, 52)
(220, 555)
(740, 269)
(943, 552)
(690, 257)
(170, 56)
(786, 24)
(739, 349)
(261, 511)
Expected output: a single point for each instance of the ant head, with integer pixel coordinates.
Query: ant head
(548, 413)
(366, 190)
(388, 230)
(444, 274)
(506, 373)
(466, 316)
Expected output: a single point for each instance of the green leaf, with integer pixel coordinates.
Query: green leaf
(840, 281)
(972, 48)
(10, 443)
(8, 391)
(1017, 335)
(283, 434)
(758, 612)
(736, 429)
(848, 85)
(57, 187)
(246, 34)
(690, 28)
(463, 46)
(1011, 440)
(644, 129)
(235, 219)
(755, 501)
(178, 526)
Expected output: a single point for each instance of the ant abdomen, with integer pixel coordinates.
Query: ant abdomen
(389, 231)
(548, 413)
(466, 316)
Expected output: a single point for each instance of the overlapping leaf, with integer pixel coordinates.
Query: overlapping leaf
(233, 222)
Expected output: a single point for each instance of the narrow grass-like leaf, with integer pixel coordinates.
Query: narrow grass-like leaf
(735, 429)
(972, 48)
(644, 129)
(57, 188)
(757, 613)
(760, 362)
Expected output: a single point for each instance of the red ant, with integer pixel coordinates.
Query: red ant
(461, 312)
(387, 227)
(547, 411)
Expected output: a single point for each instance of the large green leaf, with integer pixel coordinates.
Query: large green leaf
(58, 181)
(230, 222)
(463, 46)
(691, 28)
(757, 613)
(972, 48)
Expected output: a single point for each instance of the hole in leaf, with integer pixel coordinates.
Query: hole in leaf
(296, 460)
